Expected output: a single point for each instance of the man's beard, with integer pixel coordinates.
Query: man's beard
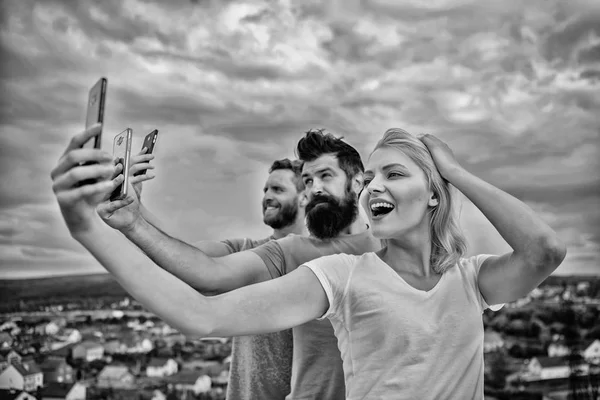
(327, 217)
(285, 217)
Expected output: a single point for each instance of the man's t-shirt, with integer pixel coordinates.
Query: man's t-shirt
(261, 365)
(317, 371)
(398, 342)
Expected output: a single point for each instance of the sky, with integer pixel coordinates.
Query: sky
(512, 87)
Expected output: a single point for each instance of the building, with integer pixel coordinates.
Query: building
(553, 368)
(8, 356)
(64, 391)
(138, 345)
(592, 352)
(12, 394)
(492, 341)
(190, 381)
(115, 377)
(6, 340)
(56, 369)
(114, 346)
(88, 351)
(558, 350)
(26, 377)
(161, 367)
(69, 335)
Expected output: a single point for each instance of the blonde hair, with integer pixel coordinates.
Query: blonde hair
(448, 244)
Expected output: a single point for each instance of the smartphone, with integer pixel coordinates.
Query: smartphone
(122, 150)
(149, 143)
(95, 111)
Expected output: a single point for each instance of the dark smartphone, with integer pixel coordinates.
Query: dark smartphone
(95, 111)
(95, 114)
(122, 151)
(149, 143)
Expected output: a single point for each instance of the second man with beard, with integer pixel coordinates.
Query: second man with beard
(332, 173)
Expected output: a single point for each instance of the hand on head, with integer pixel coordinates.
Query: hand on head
(442, 155)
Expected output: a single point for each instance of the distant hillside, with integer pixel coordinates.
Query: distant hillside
(81, 286)
(104, 285)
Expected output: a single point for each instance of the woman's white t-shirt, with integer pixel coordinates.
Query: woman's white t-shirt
(398, 342)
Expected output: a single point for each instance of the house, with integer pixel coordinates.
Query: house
(6, 340)
(10, 327)
(138, 345)
(14, 394)
(552, 367)
(188, 380)
(161, 367)
(492, 341)
(88, 351)
(592, 352)
(558, 349)
(61, 349)
(51, 328)
(115, 377)
(7, 357)
(56, 369)
(158, 395)
(69, 335)
(114, 346)
(64, 391)
(26, 377)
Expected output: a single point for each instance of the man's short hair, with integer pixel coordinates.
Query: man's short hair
(294, 166)
(316, 143)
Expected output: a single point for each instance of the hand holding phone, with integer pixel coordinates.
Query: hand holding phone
(122, 151)
(149, 143)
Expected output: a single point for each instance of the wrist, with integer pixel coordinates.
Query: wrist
(84, 232)
(133, 230)
(453, 173)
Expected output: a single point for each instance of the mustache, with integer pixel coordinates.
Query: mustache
(321, 198)
(268, 203)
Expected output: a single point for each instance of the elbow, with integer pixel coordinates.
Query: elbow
(548, 253)
(196, 331)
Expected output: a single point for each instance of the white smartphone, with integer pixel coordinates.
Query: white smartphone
(122, 150)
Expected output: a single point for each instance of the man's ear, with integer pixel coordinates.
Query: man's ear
(358, 182)
(302, 199)
(433, 200)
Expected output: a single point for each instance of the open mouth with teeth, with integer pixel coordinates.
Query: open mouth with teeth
(381, 208)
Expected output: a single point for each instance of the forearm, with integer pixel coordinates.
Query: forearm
(160, 292)
(151, 218)
(527, 234)
(179, 258)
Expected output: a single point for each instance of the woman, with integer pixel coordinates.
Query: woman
(408, 318)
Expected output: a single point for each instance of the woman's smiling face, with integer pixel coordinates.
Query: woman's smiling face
(396, 197)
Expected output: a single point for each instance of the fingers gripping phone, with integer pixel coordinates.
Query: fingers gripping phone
(149, 143)
(95, 111)
(122, 151)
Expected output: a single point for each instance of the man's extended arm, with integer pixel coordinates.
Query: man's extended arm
(195, 267)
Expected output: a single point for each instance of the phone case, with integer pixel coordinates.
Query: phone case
(95, 110)
(122, 150)
(149, 143)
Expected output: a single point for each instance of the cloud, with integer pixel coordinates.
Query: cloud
(512, 88)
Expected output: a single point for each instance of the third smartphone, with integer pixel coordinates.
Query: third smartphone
(149, 143)
(122, 150)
